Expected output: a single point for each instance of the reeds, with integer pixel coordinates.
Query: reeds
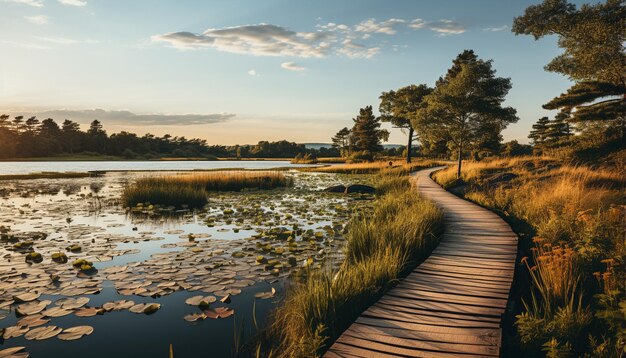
(380, 248)
(191, 189)
(375, 167)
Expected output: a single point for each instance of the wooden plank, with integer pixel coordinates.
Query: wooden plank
(410, 339)
(384, 313)
(448, 298)
(405, 352)
(393, 305)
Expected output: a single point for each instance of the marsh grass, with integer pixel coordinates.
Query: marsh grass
(191, 189)
(577, 216)
(397, 166)
(380, 248)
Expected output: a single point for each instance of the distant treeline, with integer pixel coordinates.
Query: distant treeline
(22, 137)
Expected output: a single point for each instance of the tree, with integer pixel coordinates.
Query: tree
(18, 123)
(558, 130)
(538, 134)
(514, 149)
(367, 133)
(341, 140)
(466, 105)
(398, 107)
(593, 40)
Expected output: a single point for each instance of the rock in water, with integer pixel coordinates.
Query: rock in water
(336, 189)
(361, 189)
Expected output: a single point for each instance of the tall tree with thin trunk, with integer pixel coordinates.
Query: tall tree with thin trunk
(465, 104)
(398, 107)
(341, 140)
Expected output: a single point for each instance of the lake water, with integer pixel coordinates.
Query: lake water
(210, 252)
(79, 166)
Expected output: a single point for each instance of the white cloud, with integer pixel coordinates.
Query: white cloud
(130, 118)
(383, 27)
(34, 3)
(496, 29)
(271, 40)
(253, 73)
(79, 3)
(443, 27)
(352, 49)
(292, 66)
(260, 40)
(37, 19)
(64, 41)
(26, 45)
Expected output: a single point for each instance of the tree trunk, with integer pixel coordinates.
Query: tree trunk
(408, 146)
(458, 171)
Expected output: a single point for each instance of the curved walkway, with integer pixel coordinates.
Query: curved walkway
(452, 304)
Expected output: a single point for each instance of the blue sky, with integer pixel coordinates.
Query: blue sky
(237, 71)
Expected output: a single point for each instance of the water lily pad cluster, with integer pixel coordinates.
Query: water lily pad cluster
(59, 240)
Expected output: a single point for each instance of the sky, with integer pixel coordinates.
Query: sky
(237, 72)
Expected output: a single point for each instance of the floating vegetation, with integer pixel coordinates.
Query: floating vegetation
(74, 333)
(153, 251)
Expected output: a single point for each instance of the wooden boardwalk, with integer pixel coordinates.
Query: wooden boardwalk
(452, 304)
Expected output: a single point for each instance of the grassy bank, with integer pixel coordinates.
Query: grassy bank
(191, 188)
(380, 248)
(573, 279)
(375, 167)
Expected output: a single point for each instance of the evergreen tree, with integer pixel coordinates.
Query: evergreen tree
(398, 107)
(558, 130)
(593, 40)
(466, 105)
(341, 140)
(367, 133)
(538, 133)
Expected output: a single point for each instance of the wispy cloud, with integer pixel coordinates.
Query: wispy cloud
(34, 3)
(352, 49)
(266, 40)
(496, 29)
(79, 3)
(64, 41)
(37, 19)
(130, 118)
(442, 27)
(387, 27)
(358, 41)
(253, 73)
(292, 66)
(26, 45)
(260, 40)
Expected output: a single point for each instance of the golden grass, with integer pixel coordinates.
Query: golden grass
(375, 167)
(190, 189)
(577, 215)
(380, 248)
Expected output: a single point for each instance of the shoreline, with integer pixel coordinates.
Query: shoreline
(117, 159)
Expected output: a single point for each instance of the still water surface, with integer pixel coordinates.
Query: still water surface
(38, 167)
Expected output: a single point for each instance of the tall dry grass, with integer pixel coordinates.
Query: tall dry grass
(402, 230)
(376, 167)
(191, 188)
(578, 213)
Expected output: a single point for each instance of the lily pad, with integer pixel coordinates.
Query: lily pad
(74, 333)
(42, 333)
